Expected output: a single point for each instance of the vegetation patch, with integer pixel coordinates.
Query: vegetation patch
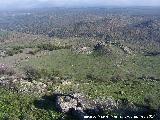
(52, 47)
(14, 50)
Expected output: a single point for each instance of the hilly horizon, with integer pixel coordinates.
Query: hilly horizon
(29, 4)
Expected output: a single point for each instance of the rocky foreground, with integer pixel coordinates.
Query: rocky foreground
(76, 105)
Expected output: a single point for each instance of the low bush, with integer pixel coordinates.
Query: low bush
(32, 73)
(149, 100)
(49, 74)
(95, 79)
(116, 78)
(100, 50)
(35, 74)
(11, 52)
(18, 48)
(52, 47)
(90, 77)
(33, 52)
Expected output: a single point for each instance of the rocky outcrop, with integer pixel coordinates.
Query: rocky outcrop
(3, 53)
(79, 106)
(6, 70)
(32, 87)
(66, 102)
(70, 104)
(82, 50)
(126, 49)
(7, 82)
(20, 85)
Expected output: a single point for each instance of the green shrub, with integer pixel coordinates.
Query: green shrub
(116, 78)
(52, 47)
(149, 100)
(49, 74)
(101, 50)
(95, 79)
(49, 47)
(17, 48)
(32, 73)
(11, 52)
(33, 52)
(90, 77)
(55, 73)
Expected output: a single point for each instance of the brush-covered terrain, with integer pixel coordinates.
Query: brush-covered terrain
(101, 53)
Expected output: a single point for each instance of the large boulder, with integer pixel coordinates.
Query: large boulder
(126, 49)
(3, 53)
(65, 102)
(75, 105)
(78, 106)
(82, 50)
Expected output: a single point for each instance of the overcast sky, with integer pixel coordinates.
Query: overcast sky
(6, 4)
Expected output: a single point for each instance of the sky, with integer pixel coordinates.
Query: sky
(9, 4)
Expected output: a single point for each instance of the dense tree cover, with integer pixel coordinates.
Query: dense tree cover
(132, 25)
